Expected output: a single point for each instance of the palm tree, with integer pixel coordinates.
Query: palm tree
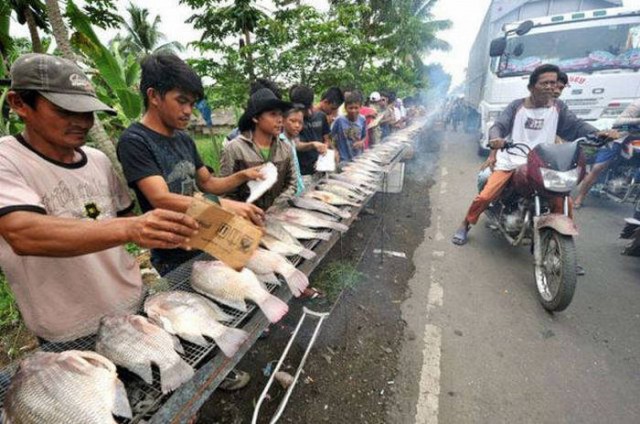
(33, 13)
(143, 36)
(61, 35)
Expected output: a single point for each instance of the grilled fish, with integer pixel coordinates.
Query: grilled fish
(343, 191)
(230, 287)
(132, 342)
(304, 233)
(310, 219)
(286, 249)
(330, 198)
(191, 316)
(320, 206)
(265, 262)
(68, 387)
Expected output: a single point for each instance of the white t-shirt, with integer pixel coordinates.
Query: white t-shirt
(531, 127)
(62, 299)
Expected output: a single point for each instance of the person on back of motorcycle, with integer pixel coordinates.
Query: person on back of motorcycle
(536, 119)
(606, 155)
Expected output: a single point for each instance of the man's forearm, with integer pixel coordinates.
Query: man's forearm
(42, 235)
(220, 186)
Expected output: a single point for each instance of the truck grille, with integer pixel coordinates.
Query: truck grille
(581, 102)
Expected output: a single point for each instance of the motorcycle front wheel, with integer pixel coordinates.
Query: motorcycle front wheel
(556, 278)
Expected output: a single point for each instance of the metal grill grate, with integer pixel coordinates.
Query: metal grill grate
(146, 399)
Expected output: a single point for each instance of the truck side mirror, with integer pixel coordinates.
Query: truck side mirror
(524, 27)
(498, 46)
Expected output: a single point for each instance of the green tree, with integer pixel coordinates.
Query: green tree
(239, 19)
(33, 14)
(61, 35)
(143, 35)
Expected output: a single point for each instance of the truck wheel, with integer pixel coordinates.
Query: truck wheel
(556, 278)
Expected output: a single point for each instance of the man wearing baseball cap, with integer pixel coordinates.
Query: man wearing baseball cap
(64, 214)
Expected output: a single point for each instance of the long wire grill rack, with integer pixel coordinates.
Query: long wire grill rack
(145, 399)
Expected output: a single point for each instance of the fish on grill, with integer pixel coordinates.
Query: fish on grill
(320, 206)
(69, 387)
(285, 248)
(221, 283)
(304, 233)
(342, 191)
(134, 343)
(310, 219)
(264, 262)
(330, 198)
(191, 316)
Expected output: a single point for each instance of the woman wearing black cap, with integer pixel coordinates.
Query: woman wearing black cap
(259, 143)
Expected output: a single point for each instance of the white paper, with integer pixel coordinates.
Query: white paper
(327, 162)
(260, 187)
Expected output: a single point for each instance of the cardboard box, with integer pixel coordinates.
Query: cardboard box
(223, 234)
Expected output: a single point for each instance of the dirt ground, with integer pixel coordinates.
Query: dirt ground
(349, 375)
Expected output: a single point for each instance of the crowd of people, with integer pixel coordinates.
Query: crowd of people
(65, 215)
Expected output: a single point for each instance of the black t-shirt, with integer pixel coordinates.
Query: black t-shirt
(144, 153)
(315, 128)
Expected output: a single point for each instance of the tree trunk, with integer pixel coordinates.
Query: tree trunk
(250, 65)
(97, 133)
(36, 44)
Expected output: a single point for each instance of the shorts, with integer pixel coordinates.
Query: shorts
(607, 154)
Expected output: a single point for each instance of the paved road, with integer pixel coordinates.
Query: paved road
(486, 351)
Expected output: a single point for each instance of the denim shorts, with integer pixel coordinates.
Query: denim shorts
(607, 154)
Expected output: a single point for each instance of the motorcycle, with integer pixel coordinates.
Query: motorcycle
(631, 231)
(523, 214)
(622, 180)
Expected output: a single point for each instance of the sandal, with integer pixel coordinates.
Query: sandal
(235, 380)
(460, 237)
(312, 293)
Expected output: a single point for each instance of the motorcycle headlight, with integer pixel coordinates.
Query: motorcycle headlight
(559, 181)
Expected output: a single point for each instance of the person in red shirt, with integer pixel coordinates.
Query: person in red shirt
(369, 114)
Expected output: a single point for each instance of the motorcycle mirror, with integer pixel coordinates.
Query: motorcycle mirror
(498, 46)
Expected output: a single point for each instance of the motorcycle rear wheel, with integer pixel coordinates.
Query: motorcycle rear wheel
(556, 278)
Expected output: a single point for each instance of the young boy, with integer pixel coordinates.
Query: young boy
(314, 137)
(163, 167)
(263, 117)
(350, 131)
(160, 161)
(292, 125)
(330, 103)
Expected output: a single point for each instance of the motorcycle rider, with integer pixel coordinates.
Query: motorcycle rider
(536, 119)
(563, 82)
(606, 155)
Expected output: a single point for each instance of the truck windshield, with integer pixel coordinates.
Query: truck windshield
(584, 49)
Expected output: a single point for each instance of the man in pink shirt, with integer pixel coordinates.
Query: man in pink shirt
(64, 213)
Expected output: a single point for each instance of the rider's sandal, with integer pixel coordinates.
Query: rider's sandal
(460, 237)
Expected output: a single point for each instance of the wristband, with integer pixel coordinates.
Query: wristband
(212, 197)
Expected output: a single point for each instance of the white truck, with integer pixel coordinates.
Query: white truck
(598, 48)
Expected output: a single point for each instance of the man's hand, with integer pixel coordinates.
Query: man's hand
(612, 134)
(490, 162)
(320, 147)
(161, 229)
(251, 174)
(245, 210)
(497, 143)
(359, 145)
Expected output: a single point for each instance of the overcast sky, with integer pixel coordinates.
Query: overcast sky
(466, 16)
